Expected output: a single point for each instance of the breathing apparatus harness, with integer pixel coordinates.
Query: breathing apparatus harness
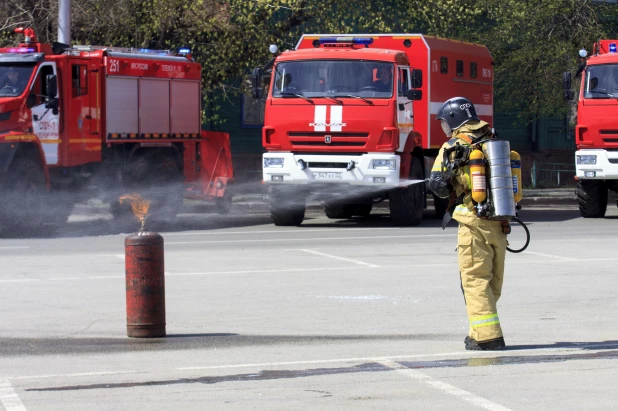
(495, 181)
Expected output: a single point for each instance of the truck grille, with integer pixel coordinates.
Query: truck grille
(320, 139)
(315, 164)
(609, 136)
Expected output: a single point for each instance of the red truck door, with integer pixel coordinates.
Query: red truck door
(404, 106)
(83, 147)
(45, 124)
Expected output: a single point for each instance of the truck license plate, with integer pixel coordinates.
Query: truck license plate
(328, 176)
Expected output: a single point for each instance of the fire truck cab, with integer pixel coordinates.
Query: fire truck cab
(596, 132)
(350, 120)
(84, 121)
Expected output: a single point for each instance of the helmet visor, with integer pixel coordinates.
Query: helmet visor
(445, 127)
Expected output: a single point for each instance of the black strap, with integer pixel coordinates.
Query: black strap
(448, 215)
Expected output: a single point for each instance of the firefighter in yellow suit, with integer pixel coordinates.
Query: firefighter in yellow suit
(481, 243)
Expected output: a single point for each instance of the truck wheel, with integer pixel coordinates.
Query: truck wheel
(406, 203)
(224, 204)
(23, 197)
(362, 210)
(440, 205)
(338, 210)
(287, 207)
(592, 198)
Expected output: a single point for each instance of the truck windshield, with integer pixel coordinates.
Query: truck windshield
(14, 79)
(601, 81)
(333, 78)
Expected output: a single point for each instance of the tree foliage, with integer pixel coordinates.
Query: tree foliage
(532, 41)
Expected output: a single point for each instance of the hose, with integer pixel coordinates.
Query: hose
(527, 236)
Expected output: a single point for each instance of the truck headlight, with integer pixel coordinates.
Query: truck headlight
(586, 159)
(383, 164)
(270, 162)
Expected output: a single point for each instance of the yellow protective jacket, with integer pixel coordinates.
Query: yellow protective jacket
(460, 182)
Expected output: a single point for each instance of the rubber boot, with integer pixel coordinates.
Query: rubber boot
(489, 345)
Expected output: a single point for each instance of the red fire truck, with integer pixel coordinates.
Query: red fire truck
(351, 120)
(86, 120)
(596, 132)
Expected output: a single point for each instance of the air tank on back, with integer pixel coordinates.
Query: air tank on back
(498, 153)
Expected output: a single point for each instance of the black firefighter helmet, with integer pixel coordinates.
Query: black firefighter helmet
(456, 112)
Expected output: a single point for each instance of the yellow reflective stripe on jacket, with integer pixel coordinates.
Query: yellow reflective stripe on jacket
(484, 321)
(463, 209)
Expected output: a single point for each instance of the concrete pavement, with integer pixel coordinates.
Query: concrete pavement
(335, 314)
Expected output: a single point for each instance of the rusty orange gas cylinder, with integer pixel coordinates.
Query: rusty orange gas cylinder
(145, 281)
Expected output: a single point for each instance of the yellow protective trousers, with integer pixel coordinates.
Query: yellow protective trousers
(481, 253)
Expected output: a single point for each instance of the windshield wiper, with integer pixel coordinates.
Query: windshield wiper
(287, 94)
(605, 93)
(353, 96)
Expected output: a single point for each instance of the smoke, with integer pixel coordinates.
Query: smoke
(96, 209)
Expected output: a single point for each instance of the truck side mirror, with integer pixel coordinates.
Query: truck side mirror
(566, 85)
(417, 78)
(51, 85)
(415, 94)
(566, 80)
(256, 79)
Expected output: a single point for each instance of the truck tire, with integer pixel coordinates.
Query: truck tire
(362, 210)
(287, 206)
(224, 204)
(338, 210)
(406, 203)
(440, 205)
(592, 198)
(23, 194)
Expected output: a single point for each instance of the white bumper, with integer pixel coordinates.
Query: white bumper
(331, 169)
(606, 167)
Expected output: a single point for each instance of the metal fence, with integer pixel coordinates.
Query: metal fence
(551, 174)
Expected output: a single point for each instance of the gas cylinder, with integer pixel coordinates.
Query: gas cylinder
(516, 172)
(478, 182)
(145, 285)
(497, 153)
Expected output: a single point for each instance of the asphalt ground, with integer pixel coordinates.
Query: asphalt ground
(335, 314)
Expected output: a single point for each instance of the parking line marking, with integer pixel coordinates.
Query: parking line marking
(467, 354)
(81, 374)
(349, 260)
(15, 247)
(295, 232)
(121, 256)
(442, 386)
(19, 280)
(309, 362)
(551, 256)
(9, 398)
(277, 240)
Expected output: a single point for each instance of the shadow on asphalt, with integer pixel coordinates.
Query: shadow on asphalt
(11, 347)
(604, 345)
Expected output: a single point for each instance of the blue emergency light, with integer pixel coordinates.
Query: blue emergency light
(184, 50)
(612, 47)
(21, 50)
(347, 40)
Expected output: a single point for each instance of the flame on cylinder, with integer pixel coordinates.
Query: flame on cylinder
(139, 205)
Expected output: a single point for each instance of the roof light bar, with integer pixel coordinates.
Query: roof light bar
(347, 40)
(21, 50)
